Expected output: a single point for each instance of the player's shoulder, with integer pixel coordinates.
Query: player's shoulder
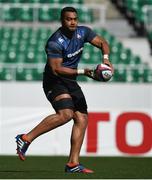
(55, 35)
(83, 28)
(55, 38)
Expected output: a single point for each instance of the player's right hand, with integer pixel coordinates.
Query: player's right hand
(90, 73)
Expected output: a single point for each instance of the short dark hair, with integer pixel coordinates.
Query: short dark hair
(67, 9)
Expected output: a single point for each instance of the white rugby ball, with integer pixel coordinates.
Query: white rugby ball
(103, 72)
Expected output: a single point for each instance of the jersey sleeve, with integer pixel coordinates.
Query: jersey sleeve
(89, 34)
(53, 50)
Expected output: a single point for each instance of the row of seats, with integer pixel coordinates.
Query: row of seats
(139, 15)
(135, 12)
(24, 47)
(44, 13)
(149, 36)
(43, 1)
(140, 74)
(118, 53)
(20, 73)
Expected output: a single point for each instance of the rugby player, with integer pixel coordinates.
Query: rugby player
(64, 50)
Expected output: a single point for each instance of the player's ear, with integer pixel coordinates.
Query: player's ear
(61, 20)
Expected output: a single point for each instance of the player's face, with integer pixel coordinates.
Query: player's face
(70, 21)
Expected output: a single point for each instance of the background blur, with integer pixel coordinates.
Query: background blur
(121, 110)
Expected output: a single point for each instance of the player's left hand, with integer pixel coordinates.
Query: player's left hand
(107, 62)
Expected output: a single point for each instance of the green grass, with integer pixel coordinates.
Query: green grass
(45, 167)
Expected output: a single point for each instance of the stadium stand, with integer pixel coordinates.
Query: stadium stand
(149, 35)
(43, 11)
(26, 56)
(139, 15)
(22, 55)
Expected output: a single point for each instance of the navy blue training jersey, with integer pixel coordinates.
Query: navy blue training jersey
(60, 46)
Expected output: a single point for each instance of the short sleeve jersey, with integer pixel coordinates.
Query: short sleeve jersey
(70, 50)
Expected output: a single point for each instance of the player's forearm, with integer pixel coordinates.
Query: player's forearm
(102, 44)
(65, 71)
(70, 72)
(105, 47)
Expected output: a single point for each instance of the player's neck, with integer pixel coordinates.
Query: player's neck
(67, 32)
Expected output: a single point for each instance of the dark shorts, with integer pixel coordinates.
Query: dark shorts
(57, 86)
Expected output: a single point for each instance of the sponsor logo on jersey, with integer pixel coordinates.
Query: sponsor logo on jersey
(75, 53)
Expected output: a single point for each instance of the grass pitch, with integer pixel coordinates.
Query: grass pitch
(45, 167)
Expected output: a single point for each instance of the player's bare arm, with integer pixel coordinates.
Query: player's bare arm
(58, 69)
(102, 44)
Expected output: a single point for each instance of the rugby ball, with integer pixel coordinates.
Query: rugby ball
(103, 72)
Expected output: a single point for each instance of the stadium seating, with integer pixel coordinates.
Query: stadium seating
(28, 74)
(6, 74)
(24, 12)
(22, 56)
(45, 14)
(42, 1)
(139, 15)
(135, 12)
(149, 36)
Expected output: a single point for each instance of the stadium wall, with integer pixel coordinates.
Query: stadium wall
(120, 119)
